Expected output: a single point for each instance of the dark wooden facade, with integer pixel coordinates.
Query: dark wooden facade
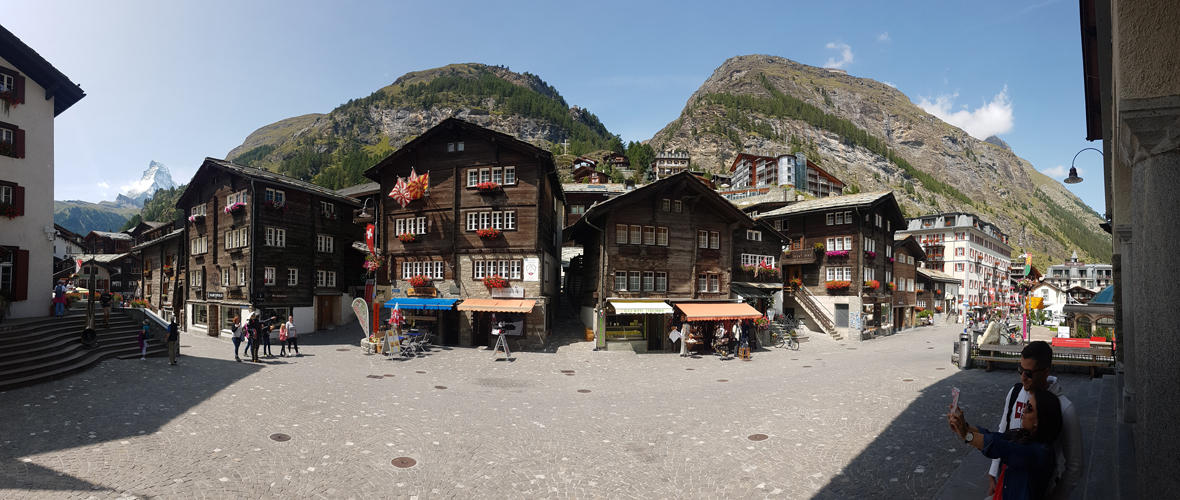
(102, 242)
(908, 295)
(580, 197)
(858, 224)
(268, 254)
(163, 254)
(527, 207)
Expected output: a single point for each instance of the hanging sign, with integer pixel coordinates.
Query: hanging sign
(370, 234)
(532, 269)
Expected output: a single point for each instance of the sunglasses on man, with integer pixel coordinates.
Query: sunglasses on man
(1030, 373)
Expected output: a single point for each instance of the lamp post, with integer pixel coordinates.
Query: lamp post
(1073, 171)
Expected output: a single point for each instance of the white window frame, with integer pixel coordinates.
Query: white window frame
(320, 278)
(516, 270)
(327, 207)
(477, 270)
(292, 276)
(753, 235)
(649, 235)
(225, 276)
(636, 234)
(331, 279)
(661, 281)
(242, 276)
(472, 221)
(666, 205)
(714, 240)
(702, 238)
(485, 175)
(509, 176)
(472, 177)
(577, 209)
(714, 283)
(498, 175)
(268, 276)
(459, 146)
(662, 236)
(649, 281)
(276, 237)
(848, 217)
(621, 234)
(325, 243)
(197, 210)
(677, 206)
(633, 281)
(276, 195)
(498, 220)
(621, 281)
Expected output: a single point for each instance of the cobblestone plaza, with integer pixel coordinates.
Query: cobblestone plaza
(837, 420)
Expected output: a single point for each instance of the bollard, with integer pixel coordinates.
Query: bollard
(964, 350)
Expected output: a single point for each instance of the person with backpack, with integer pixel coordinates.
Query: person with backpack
(172, 340)
(1036, 361)
(59, 298)
(1025, 453)
(236, 328)
(105, 300)
(267, 331)
(255, 329)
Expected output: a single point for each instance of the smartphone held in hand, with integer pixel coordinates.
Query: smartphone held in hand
(954, 399)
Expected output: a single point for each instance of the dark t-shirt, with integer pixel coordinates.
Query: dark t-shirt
(105, 299)
(173, 333)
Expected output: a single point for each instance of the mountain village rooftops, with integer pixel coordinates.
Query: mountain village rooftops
(594, 188)
(268, 176)
(101, 258)
(936, 275)
(368, 188)
(830, 203)
(113, 236)
(172, 235)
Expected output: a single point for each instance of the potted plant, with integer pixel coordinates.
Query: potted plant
(235, 207)
(872, 284)
(372, 263)
(869, 254)
(938, 309)
(419, 281)
(328, 215)
(168, 270)
(837, 253)
(276, 205)
(494, 281)
(891, 260)
(795, 283)
(819, 247)
(488, 186)
(488, 233)
(196, 218)
(838, 285)
(139, 304)
(890, 286)
(407, 237)
(10, 100)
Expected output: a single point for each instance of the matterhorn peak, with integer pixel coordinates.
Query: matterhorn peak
(155, 178)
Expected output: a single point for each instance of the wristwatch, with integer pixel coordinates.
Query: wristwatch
(969, 437)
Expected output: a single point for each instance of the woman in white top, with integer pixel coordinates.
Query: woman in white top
(236, 327)
(292, 342)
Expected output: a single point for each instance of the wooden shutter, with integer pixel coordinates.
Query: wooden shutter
(20, 282)
(18, 199)
(18, 139)
(19, 82)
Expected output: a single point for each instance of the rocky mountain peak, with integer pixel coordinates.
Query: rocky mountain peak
(155, 178)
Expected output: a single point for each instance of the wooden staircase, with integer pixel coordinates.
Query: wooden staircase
(50, 348)
(806, 299)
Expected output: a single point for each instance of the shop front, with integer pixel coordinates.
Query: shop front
(637, 324)
(716, 326)
(435, 318)
(491, 317)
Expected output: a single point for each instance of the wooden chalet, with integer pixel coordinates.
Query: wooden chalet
(588, 174)
(486, 232)
(837, 248)
(260, 241)
(580, 197)
(663, 247)
(104, 242)
(909, 295)
(163, 252)
(757, 275)
(121, 269)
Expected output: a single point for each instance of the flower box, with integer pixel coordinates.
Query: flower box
(276, 205)
(838, 285)
(419, 281)
(919, 308)
(937, 309)
(819, 247)
(488, 186)
(407, 237)
(891, 260)
(836, 253)
(795, 282)
(488, 233)
(10, 100)
(890, 286)
(196, 218)
(869, 254)
(329, 215)
(236, 207)
(872, 284)
(372, 263)
(494, 281)
(9, 211)
(7, 149)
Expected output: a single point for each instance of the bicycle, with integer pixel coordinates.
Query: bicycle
(790, 339)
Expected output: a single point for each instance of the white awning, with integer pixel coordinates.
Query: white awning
(638, 307)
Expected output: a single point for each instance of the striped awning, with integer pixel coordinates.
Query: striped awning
(640, 307)
(497, 305)
(717, 311)
(416, 303)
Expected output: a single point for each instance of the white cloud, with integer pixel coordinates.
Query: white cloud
(137, 186)
(889, 84)
(1059, 171)
(993, 118)
(845, 55)
(104, 185)
(884, 37)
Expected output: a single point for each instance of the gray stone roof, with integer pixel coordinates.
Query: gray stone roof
(360, 189)
(829, 203)
(172, 235)
(936, 275)
(594, 188)
(113, 236)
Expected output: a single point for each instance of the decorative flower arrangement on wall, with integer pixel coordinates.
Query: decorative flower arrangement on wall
(488, 186)
(837, 253)
(276, 205)
(838, 285)
(872, 284)
(869, 254)
(890, 286)
(7, 149)
(329, 215)
(9, 211)
(488, 233)
(796, 282)
(235, 207)
(494, 281)
(372, 263)
(196, 218)
(819, 247)
(1025, 285)
(407, 237)
(419, 281)
(8, 97)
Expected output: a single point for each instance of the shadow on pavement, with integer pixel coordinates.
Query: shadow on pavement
(113, 401)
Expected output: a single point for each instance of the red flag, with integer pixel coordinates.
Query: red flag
(400, 193)
(77, 266)
(370, 231)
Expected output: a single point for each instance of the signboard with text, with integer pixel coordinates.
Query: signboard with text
(361, 308)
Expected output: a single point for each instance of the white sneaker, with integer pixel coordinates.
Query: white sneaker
(143, 358)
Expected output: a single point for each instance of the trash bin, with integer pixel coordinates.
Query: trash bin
(964, 350)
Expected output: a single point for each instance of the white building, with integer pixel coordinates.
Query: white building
(973, 251)
(668, 164)
(33, 93)
(1071, 273)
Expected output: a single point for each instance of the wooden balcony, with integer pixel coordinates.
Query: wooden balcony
(799, 257)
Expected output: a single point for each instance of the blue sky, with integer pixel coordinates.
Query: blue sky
(178, 81)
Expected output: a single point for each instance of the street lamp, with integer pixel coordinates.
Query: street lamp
(1073, 171)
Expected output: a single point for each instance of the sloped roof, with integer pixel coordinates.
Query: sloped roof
(936, 275)
(101, 258)
(113, 236)
(172, 235)
(360, 189)
(268, 176)
(593, 188)
(831, 203)
(28, 61)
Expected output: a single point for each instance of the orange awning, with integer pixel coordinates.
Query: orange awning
(717, 312)
(497, 305)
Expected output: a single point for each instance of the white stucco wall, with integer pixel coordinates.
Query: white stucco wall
(35, 173)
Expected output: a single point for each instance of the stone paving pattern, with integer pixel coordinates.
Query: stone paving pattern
(844, 420)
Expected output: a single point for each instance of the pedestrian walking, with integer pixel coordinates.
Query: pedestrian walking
(292, 336)
(59, 298)
(236, 327)
(268, 329)
(173, 340)
(254, 330)
(105, 300)
(144, 333)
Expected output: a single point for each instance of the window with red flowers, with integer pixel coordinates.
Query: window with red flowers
(12, 140)
(12, 199)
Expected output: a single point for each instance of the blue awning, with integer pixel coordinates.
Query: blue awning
(414, 303)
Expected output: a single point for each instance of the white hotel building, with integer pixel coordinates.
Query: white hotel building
(964, 246)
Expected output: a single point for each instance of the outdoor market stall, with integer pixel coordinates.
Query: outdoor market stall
(640, 322)
(497, 316)
(705, 319)
(427, 320)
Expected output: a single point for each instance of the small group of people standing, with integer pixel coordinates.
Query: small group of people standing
(257, 335)
(172, 341)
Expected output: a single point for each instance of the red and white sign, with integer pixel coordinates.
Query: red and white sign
(370, 231)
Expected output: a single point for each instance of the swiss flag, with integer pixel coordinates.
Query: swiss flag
(370, 230)
(77, 266)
